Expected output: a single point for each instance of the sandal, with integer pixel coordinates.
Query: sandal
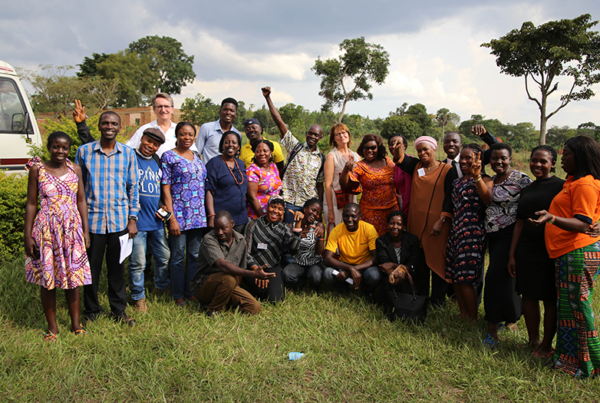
(50, 337)
(490, 343)
(79, 332)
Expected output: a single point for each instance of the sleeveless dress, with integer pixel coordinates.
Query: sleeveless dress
(58, 234)
(338, 166)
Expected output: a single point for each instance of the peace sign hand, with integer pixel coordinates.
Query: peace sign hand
(79, 112)
(476, 165)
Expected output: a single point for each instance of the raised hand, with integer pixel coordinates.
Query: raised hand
(79, 112)
(476, 165)
(478, 130)
(266, 91)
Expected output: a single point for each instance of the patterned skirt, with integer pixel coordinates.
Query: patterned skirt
(577, 345)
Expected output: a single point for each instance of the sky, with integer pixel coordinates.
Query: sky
(240, 46)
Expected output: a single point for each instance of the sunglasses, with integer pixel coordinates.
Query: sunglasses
(372, 148)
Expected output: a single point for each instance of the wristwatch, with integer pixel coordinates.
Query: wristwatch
(133, 217)
(443, 218)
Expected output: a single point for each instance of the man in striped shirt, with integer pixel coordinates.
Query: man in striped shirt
(110, 178)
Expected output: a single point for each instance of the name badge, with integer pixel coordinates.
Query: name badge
(421, 171)
(262, 246)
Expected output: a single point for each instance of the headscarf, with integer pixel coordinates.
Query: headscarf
(427, 140)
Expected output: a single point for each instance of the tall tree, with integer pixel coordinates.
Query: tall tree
(173, 65)
(359, 65)
(566, 48)
(89, 65)
(403, 125)
(199, 110)
(443, 117)
(135, 75)
(401, 111)
(418, 113)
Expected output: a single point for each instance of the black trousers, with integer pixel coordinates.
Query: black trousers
(108, 244)
(274, 292)
(439, 286)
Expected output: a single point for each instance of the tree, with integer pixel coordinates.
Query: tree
(443, 117)
(403, 125)
(199, 110)
(174, 67)
(135, 75)
(359, 65)
(89, 66)
(418, 114)
(401, 111)
(54, 89)
(564, 48)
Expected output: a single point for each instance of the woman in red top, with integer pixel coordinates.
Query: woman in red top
(577, 256)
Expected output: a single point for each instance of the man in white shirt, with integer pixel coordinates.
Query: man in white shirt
(210, 133)
(163, 108)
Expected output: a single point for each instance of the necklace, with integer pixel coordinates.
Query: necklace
(231, 171)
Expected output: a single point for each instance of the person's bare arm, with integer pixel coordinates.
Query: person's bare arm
(174, 228)
(230, 268)
(564, 223)
(209, 203)
(253, 200)
(82, 207)
(345, 270)
(512, 263)
(345, 174)
(274, 112)
(328, 170)
(31, 210)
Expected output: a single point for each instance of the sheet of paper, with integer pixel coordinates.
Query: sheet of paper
(348, 280)
(126, 247)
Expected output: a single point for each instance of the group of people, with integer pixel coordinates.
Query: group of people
(248, 224)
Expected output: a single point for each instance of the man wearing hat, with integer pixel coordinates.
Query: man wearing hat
(151, 235)
(253, 131)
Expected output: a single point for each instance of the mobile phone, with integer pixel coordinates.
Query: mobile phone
(165, 215)
(36, 253)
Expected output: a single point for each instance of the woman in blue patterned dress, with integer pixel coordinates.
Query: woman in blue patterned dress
(466, 244)
(183, 177)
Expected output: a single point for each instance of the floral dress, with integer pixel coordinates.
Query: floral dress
(379, 193)
(269, 185)
(58, 233)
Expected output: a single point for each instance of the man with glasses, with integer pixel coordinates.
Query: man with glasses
(163, 108)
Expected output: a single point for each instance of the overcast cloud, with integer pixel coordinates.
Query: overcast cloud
(239, 46)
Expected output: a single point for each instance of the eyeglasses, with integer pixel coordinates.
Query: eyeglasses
(163, 106)
(372, 148)
(338, 134)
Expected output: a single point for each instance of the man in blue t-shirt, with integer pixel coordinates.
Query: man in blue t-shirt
(151, 229)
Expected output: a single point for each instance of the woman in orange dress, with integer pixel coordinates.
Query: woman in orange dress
(375, 173)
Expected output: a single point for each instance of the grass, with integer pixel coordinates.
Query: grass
(353, 354)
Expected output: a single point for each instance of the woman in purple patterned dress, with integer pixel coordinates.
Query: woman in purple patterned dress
(183, 177)
(56, 237)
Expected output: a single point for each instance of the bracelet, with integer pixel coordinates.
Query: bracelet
(551, 221)
(210, 215)
(443, 218)
(320, 239)
(297, 229)
(478, 179)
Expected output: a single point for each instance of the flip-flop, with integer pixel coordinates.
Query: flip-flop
(50, 337)
(79, 332)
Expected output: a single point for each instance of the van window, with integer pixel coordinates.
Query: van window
(12, 108)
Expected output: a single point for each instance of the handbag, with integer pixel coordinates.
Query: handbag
(354, 187)
(342, 199)
(407, 307)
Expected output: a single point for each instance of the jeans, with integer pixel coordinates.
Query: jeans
(288, 218)
(154, 243)
(293, 275)
(371, 278)
(187, 245)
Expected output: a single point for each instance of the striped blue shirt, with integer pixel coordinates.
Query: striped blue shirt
(111, 186)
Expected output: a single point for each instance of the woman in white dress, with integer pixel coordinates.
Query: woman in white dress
(340, 140)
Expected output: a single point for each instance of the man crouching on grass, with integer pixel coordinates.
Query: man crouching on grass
(221, 261)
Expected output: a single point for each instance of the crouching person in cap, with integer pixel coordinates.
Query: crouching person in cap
(151, 235)
(221, 262)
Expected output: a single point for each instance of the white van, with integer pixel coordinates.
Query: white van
(18, 128)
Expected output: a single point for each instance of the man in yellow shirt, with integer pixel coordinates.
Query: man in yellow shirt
(354, 241)
(253, 131)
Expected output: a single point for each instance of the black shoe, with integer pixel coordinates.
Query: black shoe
(87, 319)
(124, 318)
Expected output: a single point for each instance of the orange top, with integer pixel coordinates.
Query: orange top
(577, 197)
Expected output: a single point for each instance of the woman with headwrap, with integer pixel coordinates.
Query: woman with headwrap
(431, 209)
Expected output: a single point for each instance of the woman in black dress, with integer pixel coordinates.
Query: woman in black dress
(528, 258)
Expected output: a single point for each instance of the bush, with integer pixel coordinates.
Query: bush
(13, 198)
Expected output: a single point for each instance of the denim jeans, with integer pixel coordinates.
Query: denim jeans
(187, 245)
(294, 275)
(371, 278)
(154, 243)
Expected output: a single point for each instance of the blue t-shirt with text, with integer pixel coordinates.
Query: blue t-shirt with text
(149, 174)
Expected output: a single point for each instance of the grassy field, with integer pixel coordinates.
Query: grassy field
(353, 354)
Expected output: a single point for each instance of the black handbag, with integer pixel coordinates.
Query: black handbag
(408, 307)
